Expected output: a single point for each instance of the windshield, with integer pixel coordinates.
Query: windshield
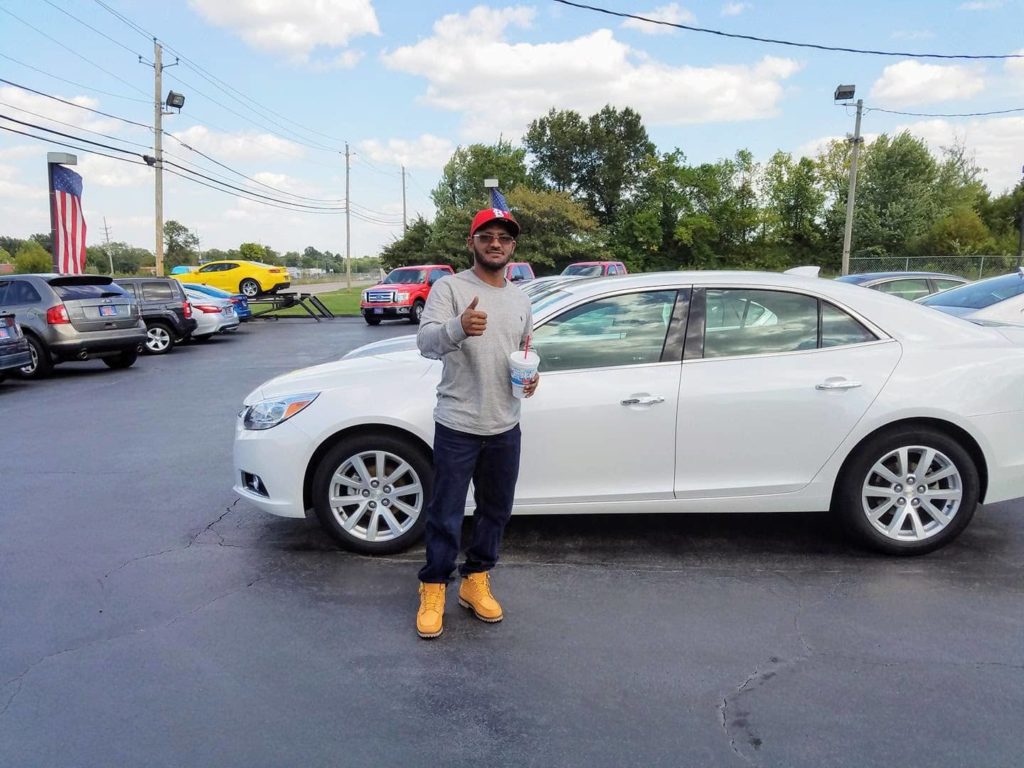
(406, 276)
(586, 270)
(979, 295)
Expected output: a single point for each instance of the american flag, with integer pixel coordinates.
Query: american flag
(498, 200)
(68, 222)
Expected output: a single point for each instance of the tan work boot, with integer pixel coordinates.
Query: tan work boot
(430, 617)
(475, 594)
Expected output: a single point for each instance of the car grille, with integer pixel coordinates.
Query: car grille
(380, 297)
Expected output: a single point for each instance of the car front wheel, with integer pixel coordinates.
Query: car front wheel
(371, 320)
(249, 287)
(416, 312)
(370, 492)
(908, 491)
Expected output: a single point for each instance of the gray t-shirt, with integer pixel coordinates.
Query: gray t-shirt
(475, 393)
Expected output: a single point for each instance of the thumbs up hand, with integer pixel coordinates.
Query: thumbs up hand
(474, 321)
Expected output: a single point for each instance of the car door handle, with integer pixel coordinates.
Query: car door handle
(650, 400)
(838, 383)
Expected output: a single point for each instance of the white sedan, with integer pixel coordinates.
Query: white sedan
(993, 301)
(675, 392)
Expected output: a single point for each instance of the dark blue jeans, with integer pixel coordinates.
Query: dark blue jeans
(492, 463)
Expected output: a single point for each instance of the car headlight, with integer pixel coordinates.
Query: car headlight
(401, 298)
(269, 413)
(366, 296)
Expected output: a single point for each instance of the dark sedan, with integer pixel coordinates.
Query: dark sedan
(14, 349)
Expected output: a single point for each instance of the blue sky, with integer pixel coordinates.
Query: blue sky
(274, 89)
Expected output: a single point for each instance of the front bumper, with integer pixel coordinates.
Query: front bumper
(15, 355)
(278, 457)
(385, 310)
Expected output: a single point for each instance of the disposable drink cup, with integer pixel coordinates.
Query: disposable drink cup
(523, 367)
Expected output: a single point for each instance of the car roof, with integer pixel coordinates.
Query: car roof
(867, 277)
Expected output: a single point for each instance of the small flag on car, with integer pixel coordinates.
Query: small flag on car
(69, 223)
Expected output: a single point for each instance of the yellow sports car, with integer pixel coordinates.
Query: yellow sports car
(248, 277)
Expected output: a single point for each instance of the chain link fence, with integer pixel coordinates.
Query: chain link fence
(971, 267)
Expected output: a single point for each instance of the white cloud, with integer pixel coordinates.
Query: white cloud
(293, 27)
(594, 70)
(981, 5)
(232, 146)
(1015, 67)
(427, 151)
(17, 191)
(107, 172)
(911, 82)
(996, 144)
(734, 9)
(32, 108)
(671, 13)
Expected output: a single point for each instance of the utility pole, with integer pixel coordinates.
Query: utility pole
(1020, 240)
(106, 242)
(848, 232)
(348, 227)
(405, 226)
(158, 153)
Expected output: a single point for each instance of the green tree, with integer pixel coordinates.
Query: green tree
(256, 252)
(5, 257)
(558, 144)
(793, 207)
(462, 180)
(180, 245)
(961, 232)
(32, 257)
(414, 247)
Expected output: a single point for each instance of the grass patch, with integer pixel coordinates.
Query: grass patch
(341, 303)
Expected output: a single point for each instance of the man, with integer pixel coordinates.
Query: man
(473, 321)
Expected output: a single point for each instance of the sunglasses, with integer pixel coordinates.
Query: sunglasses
(486, 239)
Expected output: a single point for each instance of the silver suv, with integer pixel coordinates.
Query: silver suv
(73, 317)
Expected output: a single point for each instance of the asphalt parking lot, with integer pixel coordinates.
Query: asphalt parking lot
(150, 617)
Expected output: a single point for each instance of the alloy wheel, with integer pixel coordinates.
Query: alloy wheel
(376, 496)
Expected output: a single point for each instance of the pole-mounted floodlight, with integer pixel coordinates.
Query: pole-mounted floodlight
(490, 183)
(844, 92)
(175, 100)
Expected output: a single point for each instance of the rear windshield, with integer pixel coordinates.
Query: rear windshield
(979, 295)
(585, 270)
(77, 291)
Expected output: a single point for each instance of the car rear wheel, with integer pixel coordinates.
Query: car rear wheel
(416, 312)
(125, 359)
(159, 339)
(908, 491)
(370, 492)
(371, 320)
(249, 287)
(41, 365)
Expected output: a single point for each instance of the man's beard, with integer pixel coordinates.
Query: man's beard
(490, 267)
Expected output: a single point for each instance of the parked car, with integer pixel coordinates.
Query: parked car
(182, 269)
(595, 268)
(906, 285)
(402, 294)
(212, 315)
(14, 349)
(239, 300)
(165, 310)
(993, 301)
(73, 317)
(250, 278)
(517, 271)
(835, 404)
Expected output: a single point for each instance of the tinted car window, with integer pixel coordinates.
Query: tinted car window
(616, 331)
(76, 291)
(981, 294)
(908, 288)
(157, 292)
(945, 285)
(20, 292)
(587, 270)
(755, 322)
(839, 329)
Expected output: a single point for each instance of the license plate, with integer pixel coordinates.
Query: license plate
(4, 333)
(378, 311)
(108, 311)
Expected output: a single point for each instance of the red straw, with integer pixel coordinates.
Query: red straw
(527, 350)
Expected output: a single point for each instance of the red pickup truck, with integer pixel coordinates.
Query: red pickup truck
(402, 294)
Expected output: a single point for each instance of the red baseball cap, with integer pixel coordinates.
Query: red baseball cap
(487, 215)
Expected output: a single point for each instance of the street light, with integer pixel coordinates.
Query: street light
(175, 100)
(844, 93)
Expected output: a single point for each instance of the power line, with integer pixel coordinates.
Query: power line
(790, 43)
(945, 114)
(70, 146)
(72, 104)
(71, 136)
(84, 24)
(72, 82)
(72, 125)
(73, 52)
(124, 19)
